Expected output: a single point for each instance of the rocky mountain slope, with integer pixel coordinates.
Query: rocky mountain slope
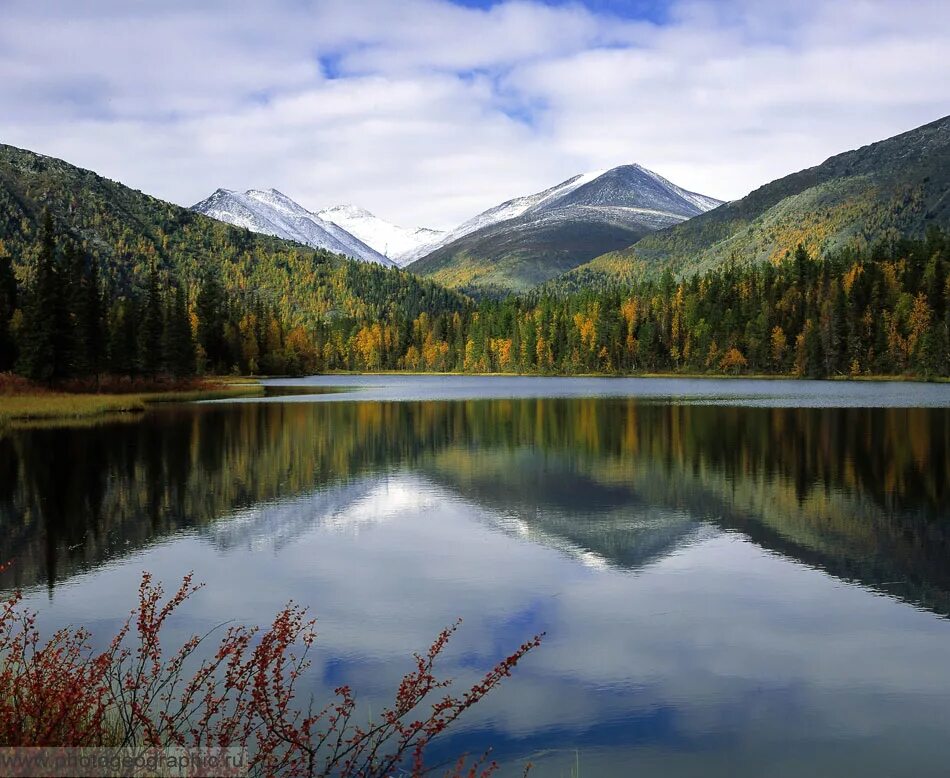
(528, 240)
(270, 212)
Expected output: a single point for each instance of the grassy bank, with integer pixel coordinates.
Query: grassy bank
(22, 401)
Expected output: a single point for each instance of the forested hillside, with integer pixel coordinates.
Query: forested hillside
(899, 187)
(79, 251)
(885, 310)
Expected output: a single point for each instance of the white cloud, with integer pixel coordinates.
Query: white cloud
(427, 112)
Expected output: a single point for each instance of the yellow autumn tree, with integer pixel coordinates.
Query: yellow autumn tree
(921, 317)
(733, 361)
(676, 325)
(368, 346)
(779, 346)
(501, 350)
(301, 353)
(434, 352)
(412, 360)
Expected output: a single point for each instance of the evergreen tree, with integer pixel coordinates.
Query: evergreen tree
(150, 331)
(209, 307)
(93, 321)
(838, 353)
(801, 262)
(43, 310)
(179, 342)
(8, 305)
(123, 338)
(71, 324)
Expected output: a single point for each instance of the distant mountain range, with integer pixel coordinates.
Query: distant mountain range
(612, 226)
(603, 227)
(342, 229)
(270, 212)
(892, 188)
(400, 244)
(512, 246)
(528, 240)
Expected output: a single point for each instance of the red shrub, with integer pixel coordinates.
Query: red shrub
(60, 693)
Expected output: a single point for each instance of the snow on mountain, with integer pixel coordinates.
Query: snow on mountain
(521, 205)
(272, 213)
(633, 189)
(395, 242)
(348, 229)
(702, 202)
(636, 186)
(510, 209)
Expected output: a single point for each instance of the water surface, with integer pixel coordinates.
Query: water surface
(736, 578)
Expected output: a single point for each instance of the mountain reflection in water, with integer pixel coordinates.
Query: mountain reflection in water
(860, 493)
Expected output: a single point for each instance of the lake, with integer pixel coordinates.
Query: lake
(735, 577)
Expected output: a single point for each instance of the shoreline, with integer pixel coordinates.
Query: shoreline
(40, 405)
(699, 376)
(36, 404)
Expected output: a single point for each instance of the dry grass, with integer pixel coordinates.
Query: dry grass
(66, 406)
(22, 401)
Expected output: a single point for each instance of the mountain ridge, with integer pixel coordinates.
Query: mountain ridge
(270, 212)
(890, 188)
(530, 239)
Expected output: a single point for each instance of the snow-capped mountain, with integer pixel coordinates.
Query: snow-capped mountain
(400, 244)
(602, 209)
(511, 209)
(528, 240)
(627, 186)
(272, 213)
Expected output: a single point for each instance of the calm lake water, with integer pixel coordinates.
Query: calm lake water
(735, 577)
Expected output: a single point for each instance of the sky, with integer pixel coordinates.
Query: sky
(429, 111)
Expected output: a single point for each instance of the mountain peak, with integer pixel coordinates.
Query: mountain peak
(348, 210)
(530, 239)
(399, 244)
(271, 212)
(217, 194)
(630, 186)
